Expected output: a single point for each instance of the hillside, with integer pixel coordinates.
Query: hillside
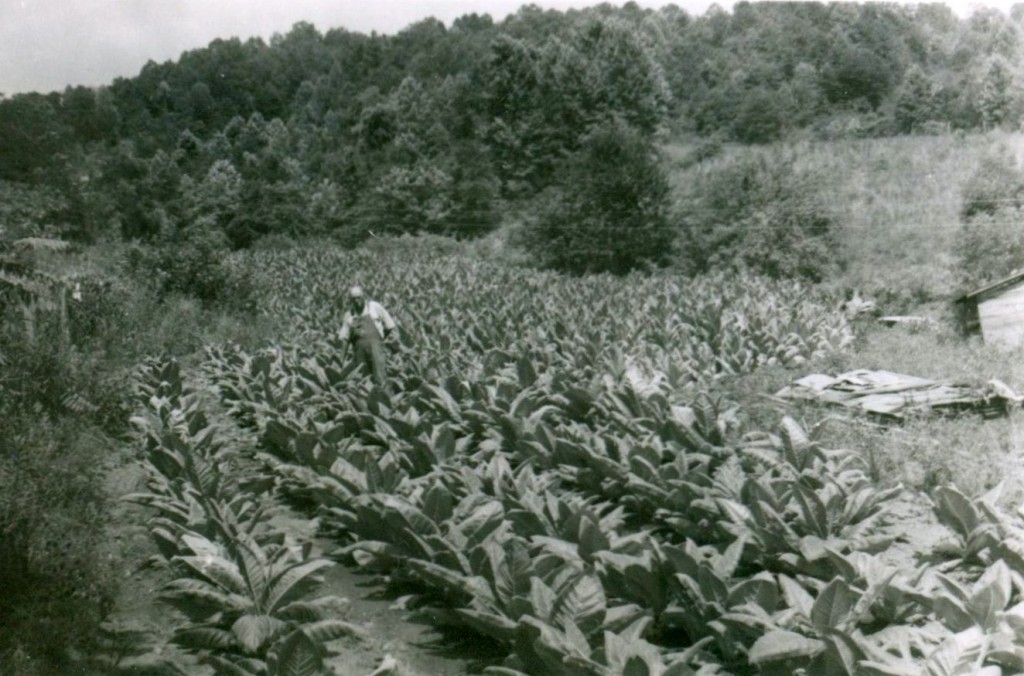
(460, 129)
(896, 203)
(501, 357)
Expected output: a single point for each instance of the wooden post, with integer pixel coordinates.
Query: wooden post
(28, 311)
(1016, 417)
(62, 308)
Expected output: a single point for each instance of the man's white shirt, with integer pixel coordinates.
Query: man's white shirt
(381, 319)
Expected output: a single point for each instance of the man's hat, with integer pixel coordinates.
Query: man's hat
(356, 292)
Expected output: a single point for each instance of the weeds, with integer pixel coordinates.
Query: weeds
(55, 580)
(921, 453)
(896, 204)
(63, 408)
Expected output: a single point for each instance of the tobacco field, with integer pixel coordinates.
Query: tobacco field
(550, 473)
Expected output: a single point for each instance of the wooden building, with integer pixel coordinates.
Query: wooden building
(996, 311)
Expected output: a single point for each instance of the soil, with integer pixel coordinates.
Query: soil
(911, 521)
(140, 626)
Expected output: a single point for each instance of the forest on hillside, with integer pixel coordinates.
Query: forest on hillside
(543, 117)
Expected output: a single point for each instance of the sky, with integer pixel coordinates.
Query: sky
(46, 45)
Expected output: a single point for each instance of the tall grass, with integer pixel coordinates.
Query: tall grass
(922, 452)
(63, 411)
(897, 201)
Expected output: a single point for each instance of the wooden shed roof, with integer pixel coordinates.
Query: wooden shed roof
(993, 288)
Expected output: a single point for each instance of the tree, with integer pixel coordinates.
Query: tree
(915, 101)
(213, 203)
(990, 242)
(997, 183)
(516, 116)
(855, 72)
(410, 199)
(805, 95)
(607, 212)
(300, 54)
(108, 118)
(78, 110)
(425, 49)
(145, 192)
(423, 168)
(989, 246)
(761, 116)
(543, 100)
(622, 74)
(201, 106)
(998, 96)
(31, 136)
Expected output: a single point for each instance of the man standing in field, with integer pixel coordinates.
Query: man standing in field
(365, 327)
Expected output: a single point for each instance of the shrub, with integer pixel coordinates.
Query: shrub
(275, 241)
(997, 184)
(412, 245)
(760, 117)
(349, 234)
(119, 321)
(934, 128)
(705, 149)
(55, 584)
(906, 287)
(48, 377)
(266, 208)
(101, 309)
(43, 379)
(197, 267)
(607, 211)
(990, 242)
(990, 246)
(759, 212)
(29, 210)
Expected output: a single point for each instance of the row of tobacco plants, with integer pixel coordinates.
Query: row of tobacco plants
(546, 469)
(246, 590)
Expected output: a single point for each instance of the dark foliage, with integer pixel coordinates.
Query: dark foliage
(54, 583)
(196, 267)
(444, 128)
(990, 242)
(607, 210)
(997, 184)
(758, 213)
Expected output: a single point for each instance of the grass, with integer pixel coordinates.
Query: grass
(971, 452)
(921, 453)
(897, 201)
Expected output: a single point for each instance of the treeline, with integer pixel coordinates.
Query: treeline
(455, 129)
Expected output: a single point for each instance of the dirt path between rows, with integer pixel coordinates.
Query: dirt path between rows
(911, 521)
